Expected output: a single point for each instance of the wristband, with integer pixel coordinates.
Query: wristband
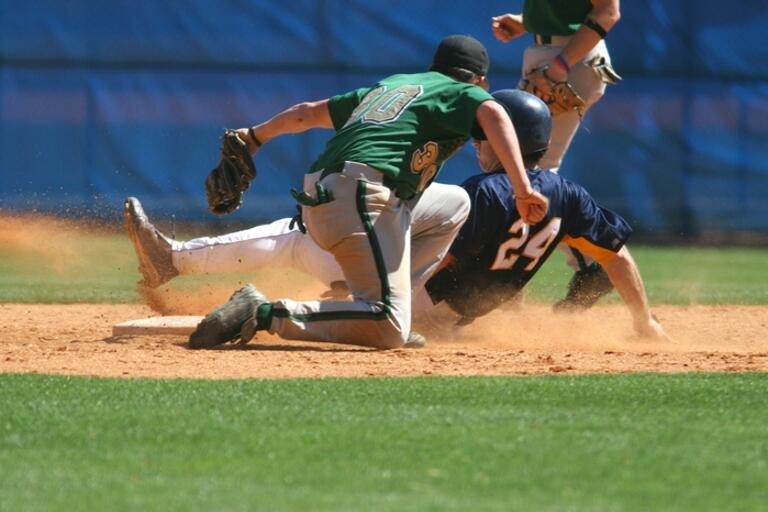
(596, 27)
(562, 62)
(252, 135)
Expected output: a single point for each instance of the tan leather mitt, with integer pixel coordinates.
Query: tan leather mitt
(562, 97)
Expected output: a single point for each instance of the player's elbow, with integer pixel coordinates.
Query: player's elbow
(304, 112)
(614, 15)
(496, 124)
(311, 114)
(607, 14)
(490, 114)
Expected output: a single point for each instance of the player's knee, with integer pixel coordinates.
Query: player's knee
(391, 333)
(394, 339)
(464, 205)
(461, 205)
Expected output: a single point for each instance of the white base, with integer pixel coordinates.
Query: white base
(158, 325)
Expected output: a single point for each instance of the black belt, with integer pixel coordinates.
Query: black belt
(541, 39)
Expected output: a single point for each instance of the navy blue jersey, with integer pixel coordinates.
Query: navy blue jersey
(496, 253)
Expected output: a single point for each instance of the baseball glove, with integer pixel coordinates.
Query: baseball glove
(562, 97)
(228, 180)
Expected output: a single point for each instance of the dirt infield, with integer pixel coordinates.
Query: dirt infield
(76, 340)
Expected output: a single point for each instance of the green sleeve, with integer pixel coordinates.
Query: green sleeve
(340, 107)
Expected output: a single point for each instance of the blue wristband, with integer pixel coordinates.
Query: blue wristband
(559, 58)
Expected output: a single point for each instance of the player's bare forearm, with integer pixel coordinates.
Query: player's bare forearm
(606, 14)
(625, 277)
(623, 272)
(298, 118)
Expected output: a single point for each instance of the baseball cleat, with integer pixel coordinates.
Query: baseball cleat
(415, 340)
(585, 288)
(228, 321)
(152, 247)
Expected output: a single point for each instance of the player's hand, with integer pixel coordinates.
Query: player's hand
(650, 329)
(543, 81)
(532, 208)
(507, 27)
(556, 73)
(545, 78)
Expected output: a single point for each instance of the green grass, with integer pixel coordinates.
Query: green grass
(706, 276)
(101, 267)
(626, 442)
(678, 275)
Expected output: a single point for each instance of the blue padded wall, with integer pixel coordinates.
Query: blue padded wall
(99, 100)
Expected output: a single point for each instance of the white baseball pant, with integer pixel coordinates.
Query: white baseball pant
(434, 220)
(590, 85)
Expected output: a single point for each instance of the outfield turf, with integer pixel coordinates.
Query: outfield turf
(624, 442)
(101, 268)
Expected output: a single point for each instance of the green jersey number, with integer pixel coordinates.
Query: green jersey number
(424, 162)
(381, 106)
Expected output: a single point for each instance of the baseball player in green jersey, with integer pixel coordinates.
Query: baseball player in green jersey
(568, 37)
(360, 195)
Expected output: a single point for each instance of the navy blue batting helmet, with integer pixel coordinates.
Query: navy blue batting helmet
(531, 119)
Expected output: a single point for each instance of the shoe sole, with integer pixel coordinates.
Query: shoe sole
(212, 331)
(134, 216)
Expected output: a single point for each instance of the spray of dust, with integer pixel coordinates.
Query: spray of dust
(62, 246)
(187, 296)
(199, 300)
(529, 327)
(53, 243)
(536, 326)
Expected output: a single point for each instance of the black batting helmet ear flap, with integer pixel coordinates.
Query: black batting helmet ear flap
(531, 118)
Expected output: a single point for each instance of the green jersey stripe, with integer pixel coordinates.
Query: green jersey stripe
(326, 316)
(378, 256)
